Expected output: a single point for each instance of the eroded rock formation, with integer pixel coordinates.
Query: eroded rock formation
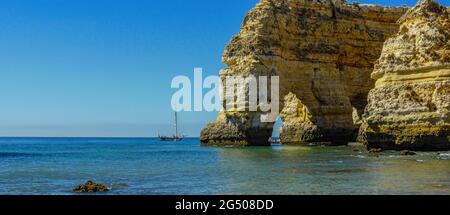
(323, 51)
(90, 187)
(409, 107)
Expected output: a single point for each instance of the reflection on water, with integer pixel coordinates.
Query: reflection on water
(148, 166)
(332, 170)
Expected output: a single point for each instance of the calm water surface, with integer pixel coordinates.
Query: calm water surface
(148, 167)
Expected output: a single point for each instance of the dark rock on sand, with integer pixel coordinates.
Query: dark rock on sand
(90, 187)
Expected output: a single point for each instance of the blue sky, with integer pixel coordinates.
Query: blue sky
(104, 67)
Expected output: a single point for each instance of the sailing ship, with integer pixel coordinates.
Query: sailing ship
(174, 138)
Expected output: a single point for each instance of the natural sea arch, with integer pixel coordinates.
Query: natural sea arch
(315, 107)
(324, 53)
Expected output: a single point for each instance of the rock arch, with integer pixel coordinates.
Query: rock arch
(323, 51)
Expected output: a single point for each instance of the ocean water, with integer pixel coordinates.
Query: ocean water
(135, 166)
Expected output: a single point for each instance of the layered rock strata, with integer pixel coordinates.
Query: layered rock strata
(409, 107)
(323, 51)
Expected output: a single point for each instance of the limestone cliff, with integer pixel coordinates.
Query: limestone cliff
(409, 107)
(323, 51)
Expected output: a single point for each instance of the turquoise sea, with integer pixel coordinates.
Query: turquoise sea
(149, 167)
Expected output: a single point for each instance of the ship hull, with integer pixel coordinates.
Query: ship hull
(170, 139)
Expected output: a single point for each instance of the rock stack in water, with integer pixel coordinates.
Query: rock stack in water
(409, 107)
(323, 51)
(90, 187)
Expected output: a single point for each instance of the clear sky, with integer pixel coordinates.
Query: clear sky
(104, 67)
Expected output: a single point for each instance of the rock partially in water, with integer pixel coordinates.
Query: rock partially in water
(90, 187)
(375, 152)
(323, 53)
(409, 108)
(407, 153)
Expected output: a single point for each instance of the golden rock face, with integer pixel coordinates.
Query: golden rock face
(409, 107)
(324, 53)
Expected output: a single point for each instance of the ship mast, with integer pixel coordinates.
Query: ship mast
(176, 124)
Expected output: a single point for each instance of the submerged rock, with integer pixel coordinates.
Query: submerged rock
(323, 51)
(375, 152)
(90, 187)
(407, 153)
(409, 107)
